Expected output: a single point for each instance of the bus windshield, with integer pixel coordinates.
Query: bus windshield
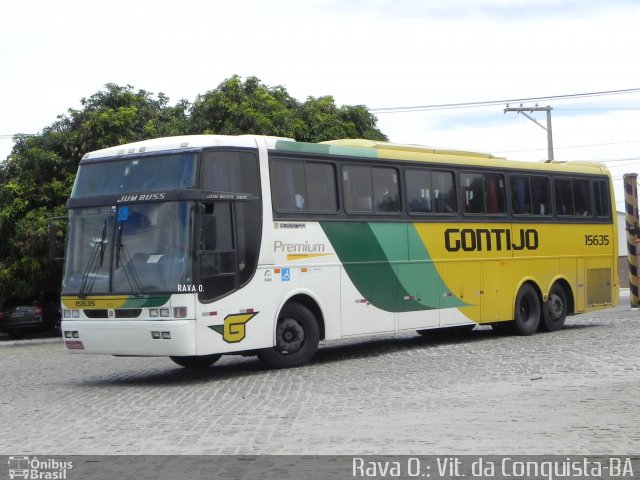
(166, 172)
(131, 249)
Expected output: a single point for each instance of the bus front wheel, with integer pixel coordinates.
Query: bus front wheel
(196, 361)
(297, 338)
(554, 310)
(527, 310)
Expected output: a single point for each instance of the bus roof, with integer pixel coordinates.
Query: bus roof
(345, 147)
(179, 143)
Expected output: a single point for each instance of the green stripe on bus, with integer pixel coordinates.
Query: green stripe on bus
(299, 147)
(376, 257)
(145, 302)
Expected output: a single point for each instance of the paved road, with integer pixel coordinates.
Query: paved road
(576, 391)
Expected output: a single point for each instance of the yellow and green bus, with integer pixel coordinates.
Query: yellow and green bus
(199, 246)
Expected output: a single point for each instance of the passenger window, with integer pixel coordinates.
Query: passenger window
(601, 198)
(306, 186)
(385, 190)
(482, 193)
(430, 191)
(358, 190)
(288, 190)
(321, 187)
(230, 171)
(530, 196)
(368, 189)
(572, 197)
(581, 197)
(564, 197)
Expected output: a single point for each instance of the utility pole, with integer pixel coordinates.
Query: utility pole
(631, 209)
(547, 109)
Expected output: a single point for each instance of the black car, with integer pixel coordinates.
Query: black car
(34, 313)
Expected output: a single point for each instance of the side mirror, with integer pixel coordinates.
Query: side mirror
(53, 238)
(209, 232)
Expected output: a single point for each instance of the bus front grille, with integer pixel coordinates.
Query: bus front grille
(118, 313)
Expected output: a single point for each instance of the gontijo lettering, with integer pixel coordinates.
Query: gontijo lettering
(485, 239)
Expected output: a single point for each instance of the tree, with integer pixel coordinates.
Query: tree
(37, 177)
(237, 107)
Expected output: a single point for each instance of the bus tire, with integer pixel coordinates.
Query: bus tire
(297, 338)
(527, 311)
(196, 361)
(554, 310)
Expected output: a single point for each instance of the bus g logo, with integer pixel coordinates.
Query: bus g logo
(234, 329)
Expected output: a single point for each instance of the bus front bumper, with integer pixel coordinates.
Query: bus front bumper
(131, 338)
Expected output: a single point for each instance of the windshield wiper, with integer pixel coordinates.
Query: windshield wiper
(96, 259)
(127, 265)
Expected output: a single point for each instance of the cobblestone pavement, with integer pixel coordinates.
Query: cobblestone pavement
(576, 391)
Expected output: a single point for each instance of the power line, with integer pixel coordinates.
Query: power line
(571, 146)
(449, 106)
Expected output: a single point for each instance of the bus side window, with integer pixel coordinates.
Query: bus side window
(419, 196)
(430, 191)
(572, 197)
(482, 193)
(443, 191)
(386, 190)
(581, 197)
(530, 196)
(472, 192)
(520, 196)
(288, 190)
(601, 198)
(357, 188)
(321, 187)
(564, 197)
(230, 171)
(494, 188)
(540, 196)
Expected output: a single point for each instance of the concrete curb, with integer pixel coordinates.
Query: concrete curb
(5, 341)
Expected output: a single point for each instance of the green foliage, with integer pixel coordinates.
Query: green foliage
(37, 177)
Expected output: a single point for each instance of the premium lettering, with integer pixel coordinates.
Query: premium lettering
(306, 247)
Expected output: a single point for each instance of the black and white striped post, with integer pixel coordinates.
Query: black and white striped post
(631, 220)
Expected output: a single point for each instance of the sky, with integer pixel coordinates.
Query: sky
(377, 53)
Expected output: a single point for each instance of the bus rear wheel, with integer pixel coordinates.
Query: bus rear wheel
(527, 311)
(554, 310)
(196, 361)
(297, 338)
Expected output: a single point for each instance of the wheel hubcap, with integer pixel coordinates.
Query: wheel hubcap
(555, 307)
(289, 336)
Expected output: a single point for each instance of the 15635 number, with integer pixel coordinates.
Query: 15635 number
(596, 240)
